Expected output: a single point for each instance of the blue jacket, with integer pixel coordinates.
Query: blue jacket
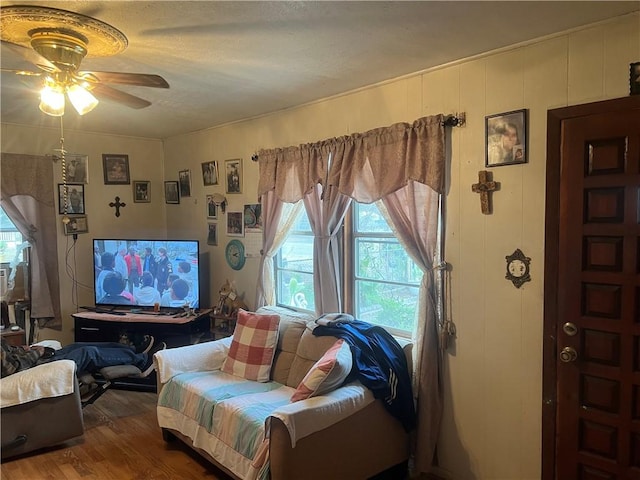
(379, 364)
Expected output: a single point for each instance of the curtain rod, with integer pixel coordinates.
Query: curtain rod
(453, 120)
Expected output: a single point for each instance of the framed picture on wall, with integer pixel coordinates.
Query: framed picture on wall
(210, 173)
(233, 175)
(506, 138)
(184, 177)
(141, 191)
(212, 235)
(253, 217)
(74, 196)
(171, 192)
(77, 224)
(634, 78)
(77, 168)
(116, 169)
(235, 224)
(212, 208)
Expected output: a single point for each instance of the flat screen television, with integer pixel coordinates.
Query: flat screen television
(142, 273)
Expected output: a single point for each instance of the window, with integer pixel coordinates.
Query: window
(10, 239)
(385, 279)
(381, 284)
(294, 267)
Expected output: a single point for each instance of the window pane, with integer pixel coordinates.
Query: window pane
(10, 238)
(295, 289)
(386, 304)
(296, 253)
(369, 219)
(386, 280)
(385, 259)
(294, 267)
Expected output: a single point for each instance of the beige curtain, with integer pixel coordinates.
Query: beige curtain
(278, 217)
(26, 193)
(404, 166)
(413, 212)
(292, 172)
(326, 214)
(368, 166)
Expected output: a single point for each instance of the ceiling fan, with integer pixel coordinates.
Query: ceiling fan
(56, 41)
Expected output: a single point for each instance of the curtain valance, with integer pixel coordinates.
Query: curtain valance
(364, 166)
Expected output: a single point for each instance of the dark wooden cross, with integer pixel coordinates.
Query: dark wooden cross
(484, 187)
(117, 204)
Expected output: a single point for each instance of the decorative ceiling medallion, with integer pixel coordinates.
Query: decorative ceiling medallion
(18, 24)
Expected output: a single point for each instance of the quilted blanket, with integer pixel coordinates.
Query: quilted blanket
(52, 379)
(233, 411)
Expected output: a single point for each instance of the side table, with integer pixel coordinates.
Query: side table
(17, 337)
(222, 325)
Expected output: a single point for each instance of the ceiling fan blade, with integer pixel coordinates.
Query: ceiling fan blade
(139, 79)
(31, 56)
(25, 73)
(108, 93)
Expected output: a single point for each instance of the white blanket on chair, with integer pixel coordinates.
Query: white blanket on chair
(52, 379)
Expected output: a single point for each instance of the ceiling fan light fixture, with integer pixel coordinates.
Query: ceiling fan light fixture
(52, 100)
(81, 99)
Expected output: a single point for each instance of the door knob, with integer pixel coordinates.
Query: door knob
(568, 354)
(570, 329)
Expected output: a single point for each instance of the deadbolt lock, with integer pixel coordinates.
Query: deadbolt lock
(568, 354)
(570, 329)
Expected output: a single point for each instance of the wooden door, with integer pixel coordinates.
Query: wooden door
(591, 413)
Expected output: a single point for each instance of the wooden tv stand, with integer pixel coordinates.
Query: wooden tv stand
(174, 331)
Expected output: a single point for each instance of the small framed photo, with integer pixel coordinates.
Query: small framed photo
(74, 197)
(253, 217)
(212, 208)
(77, 167)
(212, 235)
(184, 176)
(77, 224)
(171, 192)
(235, 224)
(141, 191)
(506, 138)
(634, 78)
(210, 173)
(116, 169)
(233, 172)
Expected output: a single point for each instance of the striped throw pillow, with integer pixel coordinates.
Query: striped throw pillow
(327, 374)
(253, 346)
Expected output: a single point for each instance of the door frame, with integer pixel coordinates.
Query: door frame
(555, 118)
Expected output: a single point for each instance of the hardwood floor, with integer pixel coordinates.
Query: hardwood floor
(122, 441)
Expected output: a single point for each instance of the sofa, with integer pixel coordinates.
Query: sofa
(40, 407)
(343, 433)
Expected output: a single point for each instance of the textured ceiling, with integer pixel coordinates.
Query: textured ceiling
(227, 61)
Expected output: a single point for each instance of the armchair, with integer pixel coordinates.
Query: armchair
(39, 407)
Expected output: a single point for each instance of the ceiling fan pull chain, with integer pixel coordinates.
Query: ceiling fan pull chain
(63, 162)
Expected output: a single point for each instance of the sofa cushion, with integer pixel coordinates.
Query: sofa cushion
(310, 350)
(327, 374)
(292, 326)
(253, 346)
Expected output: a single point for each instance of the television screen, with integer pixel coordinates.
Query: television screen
(143, 273)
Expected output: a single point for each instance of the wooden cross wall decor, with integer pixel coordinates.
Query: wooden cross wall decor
(485, 187)
(117, 204)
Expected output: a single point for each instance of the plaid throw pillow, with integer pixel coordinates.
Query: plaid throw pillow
(253, 346)
(327, 374)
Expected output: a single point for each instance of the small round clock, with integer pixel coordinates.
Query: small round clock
(518, 268)
(234, 253)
